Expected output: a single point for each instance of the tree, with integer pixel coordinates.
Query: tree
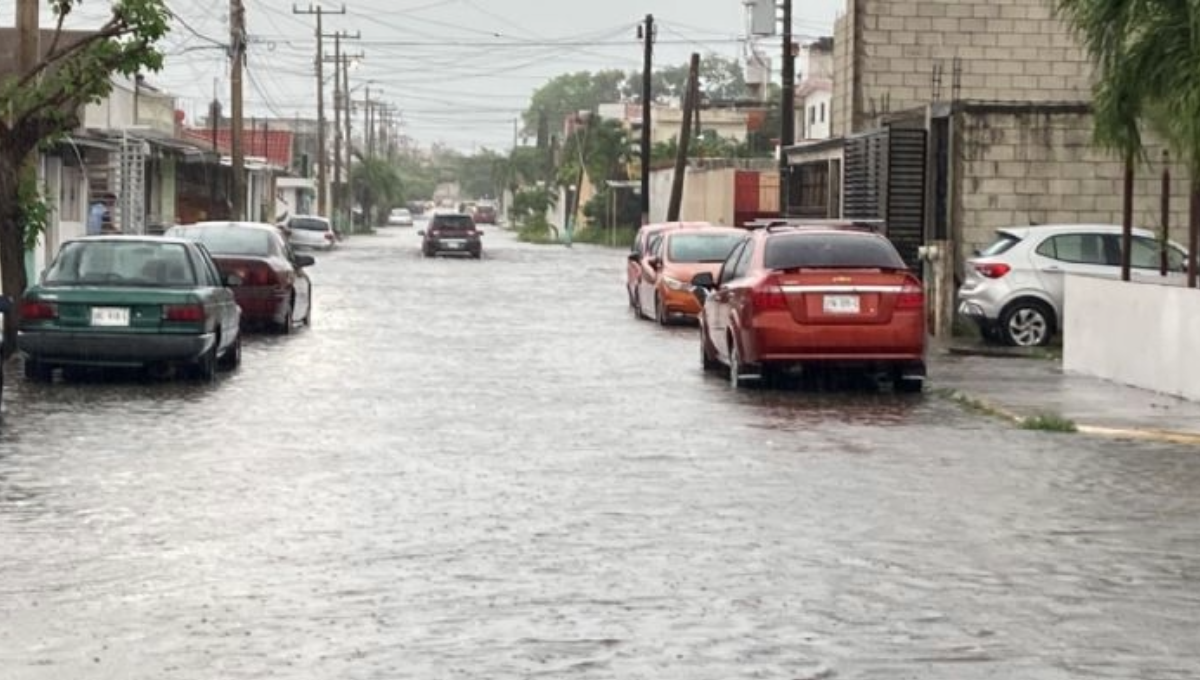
(570, 93)
(1146, 59)
(376, 185)
(45, 102)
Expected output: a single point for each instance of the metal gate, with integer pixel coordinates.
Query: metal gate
(885, 180)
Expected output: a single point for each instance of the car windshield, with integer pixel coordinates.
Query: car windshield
(229, 240)
(701, 247)
(309, 224)
(121, 263)
(1004, 241)
(841, 251)
(453, 222)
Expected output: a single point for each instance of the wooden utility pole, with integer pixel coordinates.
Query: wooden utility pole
(349, 189)
(366, 150)
(322, 157)
(685, 137)
(237, 48)
(647, 35)
(335, 203)
(787, 131)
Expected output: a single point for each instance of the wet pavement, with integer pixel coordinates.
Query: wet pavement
(472, 469)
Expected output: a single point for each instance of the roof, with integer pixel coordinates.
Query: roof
(1023, 230)
(232, 223)
(274, 145)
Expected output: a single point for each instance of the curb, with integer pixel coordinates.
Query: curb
(1152, 435)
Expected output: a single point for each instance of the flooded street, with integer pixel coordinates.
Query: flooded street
(490, 469)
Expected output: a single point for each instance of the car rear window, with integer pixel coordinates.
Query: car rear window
(453, 222)
(229, 240)
(121, 263)
(306, 224)
(701, 247)
(1003, 243)
(841, 251)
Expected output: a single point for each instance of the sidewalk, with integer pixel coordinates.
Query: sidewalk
(1016, 388)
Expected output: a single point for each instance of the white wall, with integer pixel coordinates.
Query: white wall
(815, 115)
(1142, 335)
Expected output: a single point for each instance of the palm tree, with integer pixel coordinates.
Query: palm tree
(1148, 71)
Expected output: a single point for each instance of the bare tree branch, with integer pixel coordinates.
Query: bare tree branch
(115, 28)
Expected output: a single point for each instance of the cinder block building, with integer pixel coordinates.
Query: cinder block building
(954, 117)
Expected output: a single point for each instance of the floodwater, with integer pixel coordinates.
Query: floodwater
(490, 469)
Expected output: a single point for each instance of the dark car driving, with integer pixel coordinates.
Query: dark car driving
(451, 233)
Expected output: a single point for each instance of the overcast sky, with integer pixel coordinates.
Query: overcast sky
(460, 71)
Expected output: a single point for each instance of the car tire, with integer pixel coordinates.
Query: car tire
(205, 368)
(233, 356)
(308, 312)
(1027, 323)
(38, 371)
(707, 361)
(908, 385)
(289, 320)
(737, 379)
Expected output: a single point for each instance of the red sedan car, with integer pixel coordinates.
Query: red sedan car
(809, 298)
(275, 290)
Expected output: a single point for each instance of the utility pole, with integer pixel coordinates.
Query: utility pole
(647, 34)
(237, 48)
(341, 106)
(787, 132)
(322, 161)
(348, 192)
(366, 150)
(685, 136)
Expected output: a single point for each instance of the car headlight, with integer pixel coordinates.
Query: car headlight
(676, 284)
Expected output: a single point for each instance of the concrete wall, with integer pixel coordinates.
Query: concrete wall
(1135, 334)
(1019, 165)
(708, 195)
(1014, 50)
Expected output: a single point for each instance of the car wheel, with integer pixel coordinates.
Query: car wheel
(1027, 323)
(289, 320)
(308, 312)
(707, 360)
(660, 311)
(205, 368)
(38, 371)
(909, 385)
(737, 378)
(233, 356)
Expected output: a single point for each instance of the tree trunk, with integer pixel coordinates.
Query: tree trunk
(12, 243)
(1127, 218)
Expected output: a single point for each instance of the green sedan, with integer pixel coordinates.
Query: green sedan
(130, 301)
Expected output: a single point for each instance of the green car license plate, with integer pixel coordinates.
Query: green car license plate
(110, 316)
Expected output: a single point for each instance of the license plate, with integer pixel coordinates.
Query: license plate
(841, 304)
(454, 244)
(110, 316)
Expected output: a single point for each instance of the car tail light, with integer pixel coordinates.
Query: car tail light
(183, 313)
(912, 295)
(329, 236)
(993, 270)
(767, 295)
(32, 310)
(261, 275)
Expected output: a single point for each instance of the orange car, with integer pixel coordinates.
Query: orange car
(678, 256)
(638, 268)
(810, 298)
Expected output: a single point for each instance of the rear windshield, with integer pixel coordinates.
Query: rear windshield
(840, 251)
(230, 240)
(453, 222)
(308, 224)
(701, 247)
(1004, 241)
(121, 263)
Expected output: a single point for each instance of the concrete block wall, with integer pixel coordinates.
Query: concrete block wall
(1017, 168)
(1014, 50)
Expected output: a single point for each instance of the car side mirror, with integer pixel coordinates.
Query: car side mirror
(656, 262)
(420, 232)
(704, 281)
(302, 261)
(233, 280)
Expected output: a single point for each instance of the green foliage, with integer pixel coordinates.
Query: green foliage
(376, 186)
(602, 146)
(33, 210)
(1049, 422)
(531, 202)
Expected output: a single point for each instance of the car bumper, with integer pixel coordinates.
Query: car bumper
(902, 341)
(113, 349)
(455, 246)
(680, 302)
(261, 304)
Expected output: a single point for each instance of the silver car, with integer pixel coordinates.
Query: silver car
(1013, 288)
(311, 231)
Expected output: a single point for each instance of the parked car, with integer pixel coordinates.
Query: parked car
(451, 233)
(485, 213)
(810, 299)
(1013, 288)
(134, 301)
(400, 217)
(275, 290)
(311, 231)
(638, 270)
(680, 254)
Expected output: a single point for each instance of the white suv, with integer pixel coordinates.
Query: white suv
(1014, 287)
